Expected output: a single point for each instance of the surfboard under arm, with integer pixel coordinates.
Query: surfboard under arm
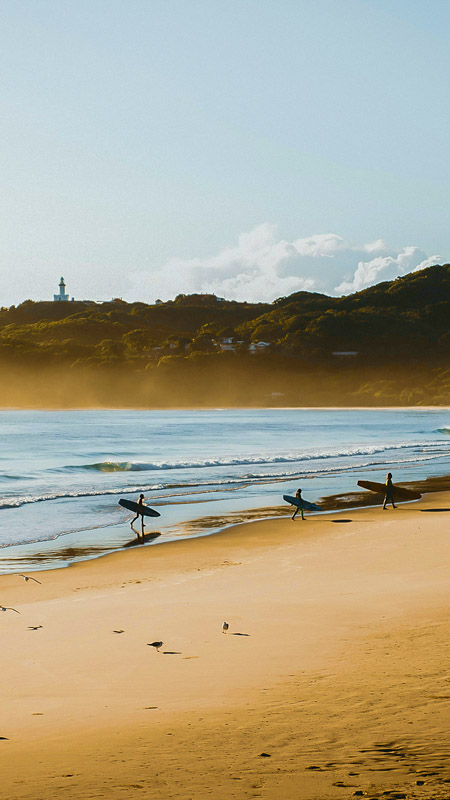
(399, 492)
(146, 511)
(294, 501)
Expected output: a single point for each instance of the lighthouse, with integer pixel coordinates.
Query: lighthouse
(62, 297)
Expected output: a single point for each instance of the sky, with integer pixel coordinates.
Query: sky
(249, 148)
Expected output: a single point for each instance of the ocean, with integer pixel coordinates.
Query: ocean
(63, 472)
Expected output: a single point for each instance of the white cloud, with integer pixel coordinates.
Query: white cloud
(386, 268)
(262, 267)
(323, 245)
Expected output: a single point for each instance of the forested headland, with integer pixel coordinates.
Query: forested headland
(386, 345)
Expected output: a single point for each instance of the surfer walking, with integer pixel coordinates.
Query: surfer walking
(140, 502)
(389, 492)
(298, 496)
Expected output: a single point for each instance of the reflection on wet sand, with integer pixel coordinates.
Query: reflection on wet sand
(48, 555)
(51, 554)
(148, 537)
(336, 502)
(211, 524)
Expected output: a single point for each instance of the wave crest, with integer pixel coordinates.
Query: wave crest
(288, 458)
(217, 484)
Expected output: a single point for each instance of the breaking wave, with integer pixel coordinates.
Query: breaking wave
(216, 484)
(289, 458)
(16, 502)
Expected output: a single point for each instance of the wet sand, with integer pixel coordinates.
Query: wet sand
(337, 684)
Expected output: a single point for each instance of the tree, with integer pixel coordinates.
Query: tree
(138, 342)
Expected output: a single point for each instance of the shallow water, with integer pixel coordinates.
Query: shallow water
(62, 472)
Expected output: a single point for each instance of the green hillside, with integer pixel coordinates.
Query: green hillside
(387, 344)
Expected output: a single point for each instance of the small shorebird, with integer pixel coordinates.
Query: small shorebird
(156, 645)
(225, 627)
(8, 608)
(27, 578)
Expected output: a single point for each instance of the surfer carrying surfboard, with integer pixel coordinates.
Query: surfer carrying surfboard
(140, 510)
(389, 493)
(298, 496)
(300, 504)
(140, 502)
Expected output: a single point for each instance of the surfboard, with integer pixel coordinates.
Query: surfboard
(399, 492)
(294, 501)
(145, 510)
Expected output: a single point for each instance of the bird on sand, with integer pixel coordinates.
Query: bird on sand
(27, 578)
(225, 627)
(118, 631)
(34, 627)
(156, 645)
(8, 608)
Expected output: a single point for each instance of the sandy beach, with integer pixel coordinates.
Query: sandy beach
(332, 681)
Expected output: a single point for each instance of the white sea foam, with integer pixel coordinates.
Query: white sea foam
(227, 459)
(148, 466)
(217, 484)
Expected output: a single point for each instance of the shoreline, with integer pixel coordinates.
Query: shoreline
(226, 408)
(88, 547)
(332, 666)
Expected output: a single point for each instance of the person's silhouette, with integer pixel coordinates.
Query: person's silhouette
(139, 513)
(389, 492)
(298, 495)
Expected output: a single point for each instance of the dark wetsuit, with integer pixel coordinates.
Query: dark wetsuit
(139, 514)
(389, 495)
(298, 495)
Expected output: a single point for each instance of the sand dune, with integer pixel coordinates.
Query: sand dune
(340, 685)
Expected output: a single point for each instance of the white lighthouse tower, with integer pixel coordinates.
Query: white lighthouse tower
(62, 297)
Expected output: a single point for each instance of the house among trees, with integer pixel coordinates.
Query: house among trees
(226, 343)
(258, 347)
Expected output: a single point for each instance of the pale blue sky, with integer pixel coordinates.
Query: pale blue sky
(148, 148)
